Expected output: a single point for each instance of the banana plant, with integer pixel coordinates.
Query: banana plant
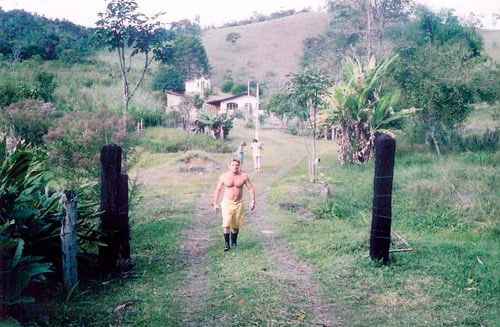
(360, 111)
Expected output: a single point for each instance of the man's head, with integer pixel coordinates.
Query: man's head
(255, 141)
(234, 165)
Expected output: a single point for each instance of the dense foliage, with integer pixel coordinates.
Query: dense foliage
(439, 61)
(29, 119)
(24, 35)
(30, 221)
(76, 141)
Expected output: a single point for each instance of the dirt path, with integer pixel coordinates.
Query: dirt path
(295, 277)
(195, 289)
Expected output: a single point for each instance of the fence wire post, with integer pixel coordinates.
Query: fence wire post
(68, 239)
(380, 234)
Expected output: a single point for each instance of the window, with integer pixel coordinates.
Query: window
(232, 106)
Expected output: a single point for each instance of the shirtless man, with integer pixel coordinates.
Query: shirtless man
(232, 203)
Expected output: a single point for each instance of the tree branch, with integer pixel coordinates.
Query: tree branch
(147, 62)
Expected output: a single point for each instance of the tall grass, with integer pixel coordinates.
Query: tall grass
(160, 140)
(447, 207)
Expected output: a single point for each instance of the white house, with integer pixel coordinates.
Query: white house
(197, 85)
(243, 102)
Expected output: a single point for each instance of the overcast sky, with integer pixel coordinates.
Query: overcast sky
(84, 12)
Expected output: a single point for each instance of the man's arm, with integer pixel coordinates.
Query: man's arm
(218, 189)
(252, 193)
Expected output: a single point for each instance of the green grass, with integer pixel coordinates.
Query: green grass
(158, 140)
(447, 208)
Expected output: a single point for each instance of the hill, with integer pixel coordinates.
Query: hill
(269, 50)
(24, 35)
(492, 43)
(265, 51)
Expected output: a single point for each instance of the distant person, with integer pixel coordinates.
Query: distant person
(232, 206)
(240, 152)
(257, 154)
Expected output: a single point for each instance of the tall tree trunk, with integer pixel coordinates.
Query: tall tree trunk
(436, 145)
(312, 173)
(368, 30)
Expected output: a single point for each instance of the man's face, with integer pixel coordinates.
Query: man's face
(234, 166)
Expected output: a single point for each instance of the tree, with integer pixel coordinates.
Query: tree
(168, 78)
(121, 27)
(439, 60)
(357, 29)
(307, 90)
(279, 104)
(361, 110)
(232, 38)
(189, 56)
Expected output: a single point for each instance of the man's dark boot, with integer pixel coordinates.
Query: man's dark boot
(226, 242)
(234, 237)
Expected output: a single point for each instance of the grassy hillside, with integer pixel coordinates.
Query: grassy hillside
(269, 50)
(266, 50)
(492, 43)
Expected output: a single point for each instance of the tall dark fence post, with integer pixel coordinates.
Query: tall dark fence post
(124, 229)
(111, 158)
(380, 235)
(68, 239)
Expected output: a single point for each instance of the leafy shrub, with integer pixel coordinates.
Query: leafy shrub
(30, 225)
(75, 144)
(173, 119)
(42, 88)
(168, 78)
(238, 114)
(161, 140)
(238, 89)
(70, 57)
(29, 119)
(150, 117)
(249, 125)
(455, 140)
(45, 85)
(227, 86)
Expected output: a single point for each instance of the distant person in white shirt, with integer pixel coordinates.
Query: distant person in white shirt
(257, 154)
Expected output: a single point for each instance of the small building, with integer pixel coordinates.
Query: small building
(173, 100)
(243, 102)
(197, 85)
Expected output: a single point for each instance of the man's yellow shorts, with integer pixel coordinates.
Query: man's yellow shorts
(232, 213)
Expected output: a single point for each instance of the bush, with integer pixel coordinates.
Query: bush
(173, 119)
(151, 117)
(238, 89)
(42, 88)
(75, 144)
(456, 141)
(29, 119)
(168, 78)
(30, 221)
(227, 86)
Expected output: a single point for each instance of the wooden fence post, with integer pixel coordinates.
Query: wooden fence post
(123, 221)
(380, 235)
(111, 157)
(68, 239)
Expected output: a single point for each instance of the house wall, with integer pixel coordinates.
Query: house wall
(173, 101)
(197, 86)
(240, 102)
